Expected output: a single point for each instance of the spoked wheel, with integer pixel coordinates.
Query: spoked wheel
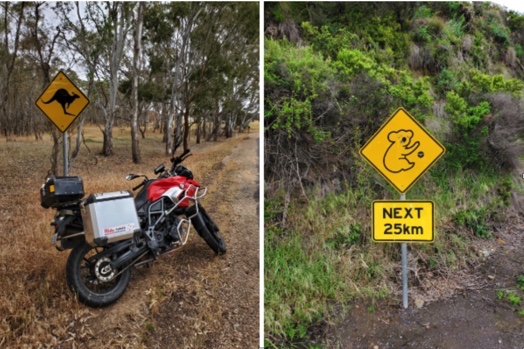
(90, 276)
(211, 233)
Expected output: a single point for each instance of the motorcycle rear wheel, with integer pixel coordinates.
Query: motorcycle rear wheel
(211, 234)
(83, 281)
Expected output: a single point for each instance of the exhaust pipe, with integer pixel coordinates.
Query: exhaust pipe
(128, 256)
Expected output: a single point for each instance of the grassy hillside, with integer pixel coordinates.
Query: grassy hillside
(333, 73)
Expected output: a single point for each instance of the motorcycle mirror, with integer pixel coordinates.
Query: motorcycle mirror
(159, 169)
(131, 176)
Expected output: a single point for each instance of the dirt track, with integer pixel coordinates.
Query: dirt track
(191, 298)
(473, 318)
(229, 287)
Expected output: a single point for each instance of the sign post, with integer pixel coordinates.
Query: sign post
(404, 250)
(402, 151)
(62, 102)
(65, 154)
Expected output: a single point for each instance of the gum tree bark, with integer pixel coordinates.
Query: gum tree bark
(134, 92)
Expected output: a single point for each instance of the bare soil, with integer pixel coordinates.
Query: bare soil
(467, 316)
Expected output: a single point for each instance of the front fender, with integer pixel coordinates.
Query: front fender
(194, 214)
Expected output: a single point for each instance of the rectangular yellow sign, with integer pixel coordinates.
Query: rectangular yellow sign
(403, 221)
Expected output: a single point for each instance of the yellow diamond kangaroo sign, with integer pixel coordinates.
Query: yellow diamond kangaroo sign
(62, 102)
(402, 150)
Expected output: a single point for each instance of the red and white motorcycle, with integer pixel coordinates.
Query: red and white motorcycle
(111, 232)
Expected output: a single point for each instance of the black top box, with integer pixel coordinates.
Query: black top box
(61, 191)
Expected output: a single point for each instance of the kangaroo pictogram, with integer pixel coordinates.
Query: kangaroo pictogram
(395, 158)
(64, 98)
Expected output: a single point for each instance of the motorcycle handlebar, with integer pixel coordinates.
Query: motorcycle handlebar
(180, 158)
(140, 185)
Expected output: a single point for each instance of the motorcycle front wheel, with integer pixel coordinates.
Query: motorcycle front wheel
(91, 278)
(211, 234)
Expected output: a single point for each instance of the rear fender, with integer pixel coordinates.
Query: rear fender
(69, 243)
(68, 231)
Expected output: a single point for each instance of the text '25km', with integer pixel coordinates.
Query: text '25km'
(398, 221)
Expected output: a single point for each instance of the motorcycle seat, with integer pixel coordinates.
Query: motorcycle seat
(141, 196)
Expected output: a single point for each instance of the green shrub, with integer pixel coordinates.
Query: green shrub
(456, 27)
(500, 33)
(346, 237)
(474, 219)
(520, 282)
(446, 81)
(350, 62)
(302, 74)
(468, 133)
(422, 34)
(414, 93)
(465, 118)
(519, 51)
(422, 12)
(504, 192)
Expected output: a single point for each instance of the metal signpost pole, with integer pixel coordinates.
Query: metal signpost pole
(404, 248)
(66, 156)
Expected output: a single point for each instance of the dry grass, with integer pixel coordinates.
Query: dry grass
(37, 310)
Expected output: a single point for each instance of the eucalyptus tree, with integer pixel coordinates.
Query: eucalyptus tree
(241, 55)
(82, 42)
(199, 46)
(137, 48)
(112, 23)
(168, 26)
(222, 36)
(12, 18)
(42, 41)
(159, 46)
(229, 46)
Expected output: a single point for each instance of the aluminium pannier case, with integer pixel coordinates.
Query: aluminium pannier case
(60, 191)
(109, 217)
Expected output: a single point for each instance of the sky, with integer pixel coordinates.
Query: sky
(512, 5)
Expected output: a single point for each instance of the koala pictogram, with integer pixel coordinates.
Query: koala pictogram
(395, 158)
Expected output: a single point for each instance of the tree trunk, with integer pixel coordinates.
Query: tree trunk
(143, 131)
(134, 92)
(198, 133)
(186, 129)
(80, 128)
(44, 65)
(229, 126)
(185, 37)
(119, 14)
(180, 118)
(218, 125)
(204, 131)
(55, 151)
(165, 119)
(9, 63)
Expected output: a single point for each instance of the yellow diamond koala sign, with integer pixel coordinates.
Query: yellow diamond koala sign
(62, 102)
(402, 150)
